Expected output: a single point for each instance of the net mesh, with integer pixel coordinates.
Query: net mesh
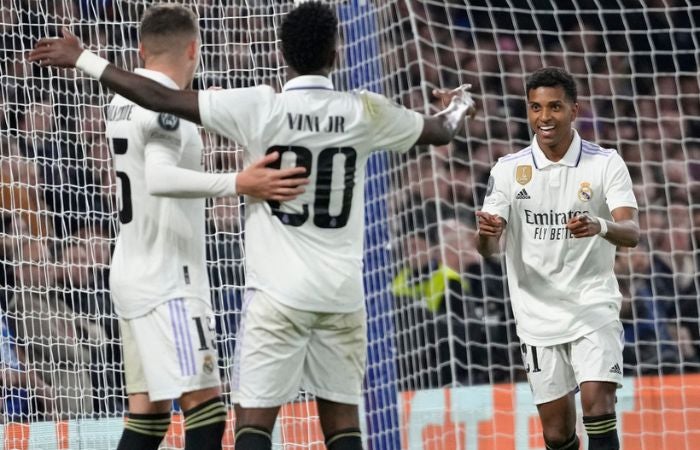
(440, 374)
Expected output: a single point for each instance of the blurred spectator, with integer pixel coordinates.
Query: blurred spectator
(649, 346)
(441, 337)
(57, 342)
(226, 272)
(81, 290)
(24, 394)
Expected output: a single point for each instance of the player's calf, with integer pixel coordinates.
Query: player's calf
(253, 438)
(144, 431)
(349, 439)
(205, 424)
(602, 432)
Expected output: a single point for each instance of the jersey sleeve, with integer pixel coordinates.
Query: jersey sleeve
(497, 200)
(235, 113)
(165, 178)
(164, 135)
(393, 127)
(162, 129)
(618, 184)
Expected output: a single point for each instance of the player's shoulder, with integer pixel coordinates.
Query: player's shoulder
(515, 158)
(371, 100)
(594, 150)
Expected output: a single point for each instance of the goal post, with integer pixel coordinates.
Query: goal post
(444, 369)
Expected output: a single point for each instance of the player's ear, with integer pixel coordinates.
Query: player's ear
(142, 52)
(574, 112)
(192, 49)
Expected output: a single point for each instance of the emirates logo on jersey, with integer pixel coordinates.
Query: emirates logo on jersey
(585, 193)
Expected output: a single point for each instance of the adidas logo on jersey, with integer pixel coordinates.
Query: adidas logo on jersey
(522, 195)
(616, 369)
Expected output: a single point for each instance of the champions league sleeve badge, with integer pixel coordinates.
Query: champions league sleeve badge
(168, 121)
(489, 186)
(585, 193)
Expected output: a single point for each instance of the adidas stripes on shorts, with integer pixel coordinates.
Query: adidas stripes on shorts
(556, 370)
(171, 350)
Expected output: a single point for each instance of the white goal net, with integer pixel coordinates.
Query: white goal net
(444, 367)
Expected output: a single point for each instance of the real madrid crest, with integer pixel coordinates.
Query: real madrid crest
(523, 174)
(585, 193)
(208, 365)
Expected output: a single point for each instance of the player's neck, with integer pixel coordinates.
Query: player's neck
(291, 73)
(174, 73)
(556, 152)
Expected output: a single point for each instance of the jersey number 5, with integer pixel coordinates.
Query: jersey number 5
(324, 177)
(126, 213)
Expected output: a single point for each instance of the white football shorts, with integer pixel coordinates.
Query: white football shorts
(171, 350)
(556, 370)
(281, 349)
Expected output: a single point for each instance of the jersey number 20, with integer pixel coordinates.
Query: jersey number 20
(324, 177)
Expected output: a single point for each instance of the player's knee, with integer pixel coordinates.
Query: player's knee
(569, 443)
(253, 438)
(349, 439)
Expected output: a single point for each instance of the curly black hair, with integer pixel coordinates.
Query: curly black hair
(309, 34)
(552, 77)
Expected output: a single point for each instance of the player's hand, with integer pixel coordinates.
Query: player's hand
(57, 52)
(459, 97)
(265, 183)
(490, 225)
(583, 225)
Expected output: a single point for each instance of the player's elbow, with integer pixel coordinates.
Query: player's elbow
(157, 190)
(157, 186)
(631, 236)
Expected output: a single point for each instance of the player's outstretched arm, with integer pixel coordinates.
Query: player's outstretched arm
(441, 128)
(165, 179)
(490, 230)
(67, 52)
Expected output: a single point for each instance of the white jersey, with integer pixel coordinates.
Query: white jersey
(561, 287)
(160, 249)
(307, 253)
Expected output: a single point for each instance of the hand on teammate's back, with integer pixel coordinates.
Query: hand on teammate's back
(282, 184)
(57, 52)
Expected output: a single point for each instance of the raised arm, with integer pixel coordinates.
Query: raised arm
(441, 128)
(67, 52)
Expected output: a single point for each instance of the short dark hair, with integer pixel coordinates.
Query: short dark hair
(168, 20)
(552, 77)
(308, 36)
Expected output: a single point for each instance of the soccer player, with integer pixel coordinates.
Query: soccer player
(303, 317)
(158, 277)
(564, 204)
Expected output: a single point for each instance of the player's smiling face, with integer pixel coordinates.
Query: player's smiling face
(551, 115)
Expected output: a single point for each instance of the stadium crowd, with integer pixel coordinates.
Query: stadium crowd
(452, 319)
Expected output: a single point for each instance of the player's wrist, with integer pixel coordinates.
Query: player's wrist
(91, 64)
(603, 226)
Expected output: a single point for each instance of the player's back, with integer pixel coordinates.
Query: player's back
(159, 254)
(307, 253)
